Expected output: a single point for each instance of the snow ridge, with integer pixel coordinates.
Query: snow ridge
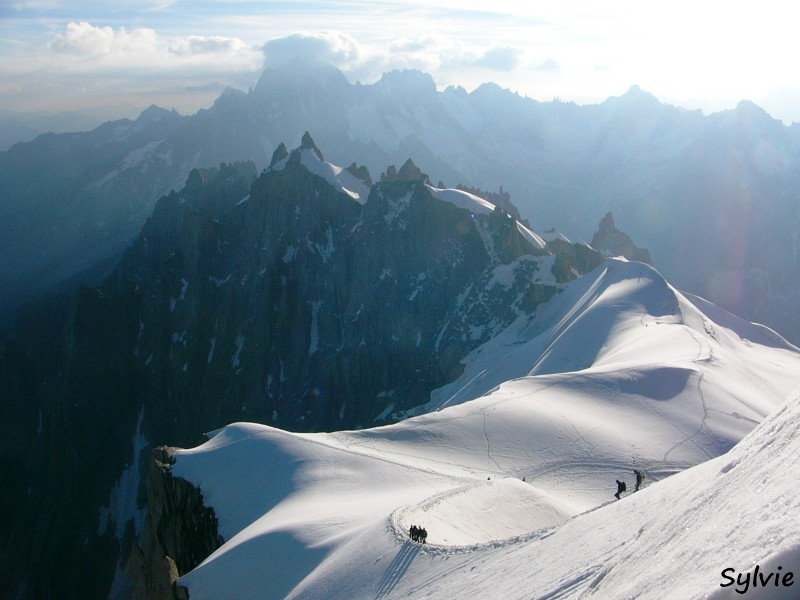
(512, 473)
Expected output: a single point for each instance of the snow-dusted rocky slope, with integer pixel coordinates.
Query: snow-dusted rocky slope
(513, 468)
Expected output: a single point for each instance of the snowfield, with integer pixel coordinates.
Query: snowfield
(512, 467)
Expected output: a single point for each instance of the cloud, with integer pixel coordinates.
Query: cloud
(84, 39)
(142, 49)
(330, 47)
(502, 58)
(84, 65)
(198, 45)
(548, 64)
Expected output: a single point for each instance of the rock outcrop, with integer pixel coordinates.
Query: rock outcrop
(612, 242)
(179, 533)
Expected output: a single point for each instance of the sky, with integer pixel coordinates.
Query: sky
(117, 57)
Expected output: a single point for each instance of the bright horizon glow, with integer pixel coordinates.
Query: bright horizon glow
(122, 56)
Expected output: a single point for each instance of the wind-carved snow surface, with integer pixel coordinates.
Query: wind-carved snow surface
(463, 200)
(512, 471)
(531, 236)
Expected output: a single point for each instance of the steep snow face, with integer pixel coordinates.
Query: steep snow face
(501, 481)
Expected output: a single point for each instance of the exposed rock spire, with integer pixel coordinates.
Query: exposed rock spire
(280, 153)
(308, 143)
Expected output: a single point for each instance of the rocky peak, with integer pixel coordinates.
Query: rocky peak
(280, 153)
(307, 143)
(752, 116)
(408, 172)
(154, 114)
(612, 242)
(606, 225)
(407, 84)
(361, 172)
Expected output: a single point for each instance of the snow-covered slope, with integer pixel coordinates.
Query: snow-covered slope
(507, 472)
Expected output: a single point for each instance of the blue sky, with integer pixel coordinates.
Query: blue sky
(122, 55)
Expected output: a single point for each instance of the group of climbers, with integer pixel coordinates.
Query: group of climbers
(621, 487)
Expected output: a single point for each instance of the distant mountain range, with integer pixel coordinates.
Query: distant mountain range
(18, 127)
(713, 197)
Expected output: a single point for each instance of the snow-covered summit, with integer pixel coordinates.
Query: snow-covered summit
(341, 179)
(620, 371)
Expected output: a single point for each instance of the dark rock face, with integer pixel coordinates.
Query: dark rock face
(179, 532)
(277, 299)
(612, 242)
(300, 307)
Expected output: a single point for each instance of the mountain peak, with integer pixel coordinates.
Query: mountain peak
(750, 111)
(408, 172)
(354, 181)
(280, 153)
(635, 97)
(612, 242)
(155, 113)
(361, 173)
(307, 143)
(409, 82)
(299, 77)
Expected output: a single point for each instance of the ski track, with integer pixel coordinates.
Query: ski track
(401, 535)
(398, 567)
(488, 444)
(703, 424)
(566, 589)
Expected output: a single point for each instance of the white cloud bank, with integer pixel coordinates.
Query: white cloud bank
(82, 46)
